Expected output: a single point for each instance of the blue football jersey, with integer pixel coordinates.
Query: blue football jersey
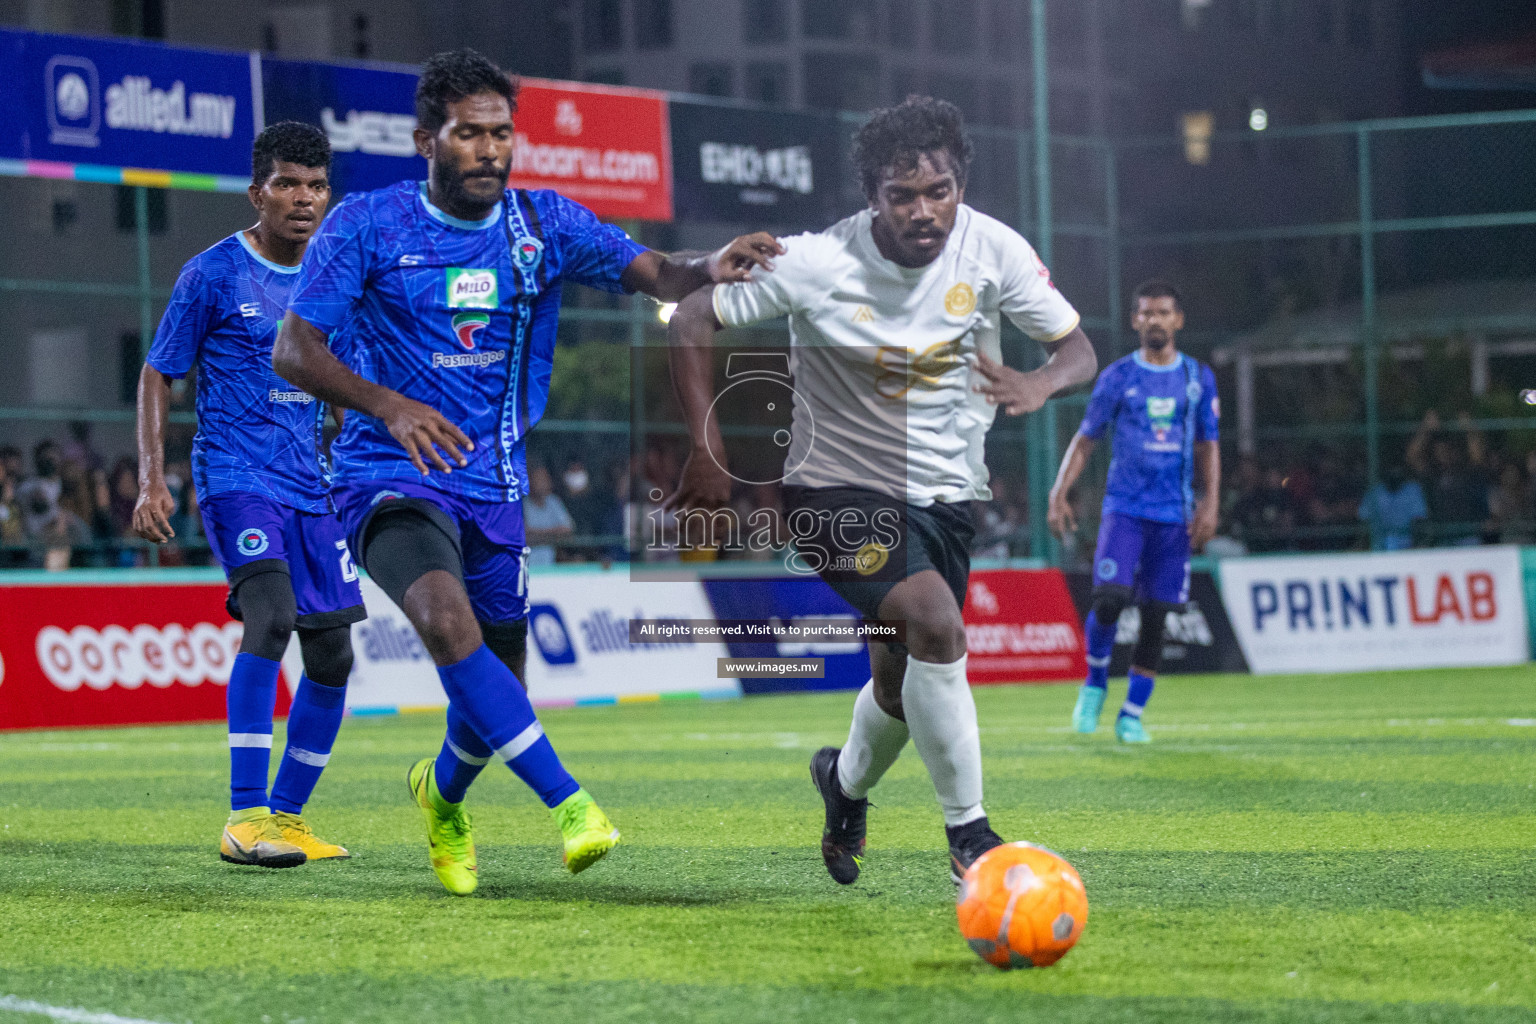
(460, 315)
(256, 432)
(1158, 413)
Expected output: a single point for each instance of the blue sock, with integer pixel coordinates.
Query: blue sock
(494, 705)
(250, 697)
(1101, 647)
(463, 755)
(1140, 692)
(313, 722)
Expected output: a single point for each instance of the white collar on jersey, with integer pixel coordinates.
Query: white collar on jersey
(458, 222)
(259, 258)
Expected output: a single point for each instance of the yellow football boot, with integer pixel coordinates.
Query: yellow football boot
(297, 831)
(252, 836)
(588, 833)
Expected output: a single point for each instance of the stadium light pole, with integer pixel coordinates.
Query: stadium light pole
(1040, 428)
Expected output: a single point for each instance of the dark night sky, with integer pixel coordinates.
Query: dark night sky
(1437, 24)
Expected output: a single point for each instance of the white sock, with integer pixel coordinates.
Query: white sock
(942, 716)
(874, 742)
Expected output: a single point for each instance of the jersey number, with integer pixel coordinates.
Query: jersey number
(348, 570)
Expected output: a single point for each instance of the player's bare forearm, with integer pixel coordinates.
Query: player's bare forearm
(1059, 513)
(301, 357)
(154, 403)
(1072, 362)
(673, 278)
(155, 506)
(1208, 461)
(691, 338)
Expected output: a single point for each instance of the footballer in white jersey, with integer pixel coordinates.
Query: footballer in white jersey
(895, 317)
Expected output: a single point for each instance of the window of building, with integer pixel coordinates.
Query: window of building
(602, 26)
(653, 24)
(765, 21)
(127, 213)
(1007, 34)
(1357, 24)
(1322, 21)
(840, 81)
(768, 82)
(901, 19)
(838, 19)
(1066, 28)
(711, 78)
(954, 25)
(362, 39)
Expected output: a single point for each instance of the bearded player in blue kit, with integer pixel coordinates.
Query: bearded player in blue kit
(1163, 409)
(450, 289)
(263, 490)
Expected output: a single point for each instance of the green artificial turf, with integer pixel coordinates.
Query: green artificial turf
(1342, 849)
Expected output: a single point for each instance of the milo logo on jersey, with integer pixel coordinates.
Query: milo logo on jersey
(467, 325)
(472, 288)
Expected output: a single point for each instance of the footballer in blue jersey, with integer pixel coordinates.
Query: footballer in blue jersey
(1161, 408)
(263, 491)
(450, 290)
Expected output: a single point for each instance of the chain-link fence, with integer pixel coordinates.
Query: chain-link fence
(1366, 293)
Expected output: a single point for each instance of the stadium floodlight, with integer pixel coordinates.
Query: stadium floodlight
(664, 311)
(1258, 119)
(1528, 396)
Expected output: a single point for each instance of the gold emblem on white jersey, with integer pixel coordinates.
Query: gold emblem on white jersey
(863, 315)
(960, 300)
(900, 370)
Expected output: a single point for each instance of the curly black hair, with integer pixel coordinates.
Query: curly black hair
(896, 136)
(453, 75)
(293, 142)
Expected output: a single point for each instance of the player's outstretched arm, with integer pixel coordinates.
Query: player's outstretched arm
(152, 513)
(1072, 363)
(691, 339)
(302, 358)
(673, 278)
(1059, 510)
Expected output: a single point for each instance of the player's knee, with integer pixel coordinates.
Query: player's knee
(1148, 654)
(1109, 600)
(268, 610)
(439, 608)
(937, 635)
(327, 654)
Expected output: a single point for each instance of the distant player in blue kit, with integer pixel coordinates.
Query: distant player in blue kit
(263, 490)
(1161, 405)
(450, 289)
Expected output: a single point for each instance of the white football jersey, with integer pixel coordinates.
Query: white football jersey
(882, 355)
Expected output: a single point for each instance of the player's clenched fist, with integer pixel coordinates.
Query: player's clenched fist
(1016, 391)
(422, 431)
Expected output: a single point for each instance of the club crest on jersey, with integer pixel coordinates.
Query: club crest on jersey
(1160, 411)
(386, 496)
(467, 325)
(472, 288)
(960, 300)
(251, 542)
(526, 252)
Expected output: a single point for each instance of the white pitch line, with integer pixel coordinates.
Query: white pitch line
(67, 1013)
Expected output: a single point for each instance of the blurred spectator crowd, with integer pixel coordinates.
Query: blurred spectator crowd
(62, 505)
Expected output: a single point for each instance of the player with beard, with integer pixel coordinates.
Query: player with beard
(450, 289)
(263, 488)
(894, 318)
(1162, 405)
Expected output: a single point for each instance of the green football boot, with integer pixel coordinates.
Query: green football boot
(450, 835)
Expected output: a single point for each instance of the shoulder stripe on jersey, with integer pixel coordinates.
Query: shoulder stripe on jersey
(514, 408)
(536, 229)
